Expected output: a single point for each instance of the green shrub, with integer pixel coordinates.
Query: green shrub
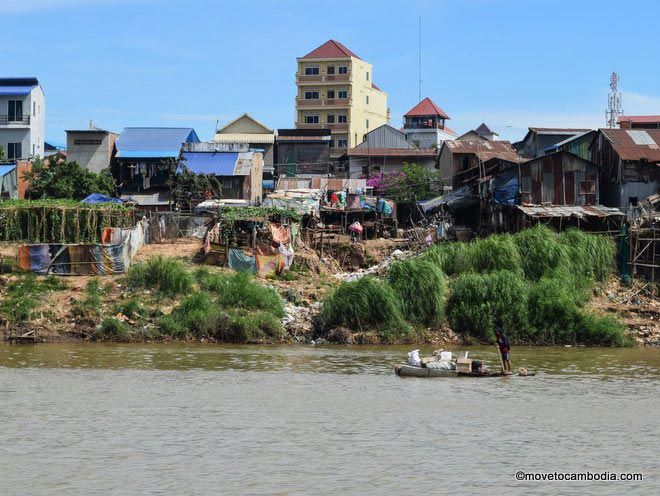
(600, 331)
(481, 302)
(591, 255)
(26, 294)
(240, 290)
(365, 304)
(420, 285)
(165, 274)
(112, 329)
(453, 258)
(197, 315)
(130, 308)
(540, 250)
(553, 311)
(248, 326)
(494, 253)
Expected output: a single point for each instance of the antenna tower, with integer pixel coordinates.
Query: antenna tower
(419, 65)
(614, 109)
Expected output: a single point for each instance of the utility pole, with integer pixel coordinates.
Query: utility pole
(419, 62)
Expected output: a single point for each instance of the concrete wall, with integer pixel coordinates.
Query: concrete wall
(93, 157)
(30, 136)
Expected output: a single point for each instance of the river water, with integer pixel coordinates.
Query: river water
(97, 419)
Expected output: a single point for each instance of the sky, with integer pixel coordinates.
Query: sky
(190, 63)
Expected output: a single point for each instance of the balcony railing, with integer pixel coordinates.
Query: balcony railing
(337, 151)
(323, 102)
(323, 78)
(343, 126)
(14, 119)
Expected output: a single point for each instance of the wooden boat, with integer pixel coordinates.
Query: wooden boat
(410, 371)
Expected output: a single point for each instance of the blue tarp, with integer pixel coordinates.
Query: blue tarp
(99, 198)
(505, 187)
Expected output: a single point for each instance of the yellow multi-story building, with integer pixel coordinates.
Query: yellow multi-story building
(336, 92)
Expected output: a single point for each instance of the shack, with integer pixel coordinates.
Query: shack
(252, 239)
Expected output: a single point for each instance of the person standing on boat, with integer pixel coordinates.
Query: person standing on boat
(505, 349)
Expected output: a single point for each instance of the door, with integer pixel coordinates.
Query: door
(15, 110)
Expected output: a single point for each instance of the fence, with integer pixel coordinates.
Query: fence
(167, 227)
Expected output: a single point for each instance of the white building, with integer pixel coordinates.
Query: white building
(424, 125)
(22, 118)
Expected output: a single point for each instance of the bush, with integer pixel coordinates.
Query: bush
(453, 258)
(165, 274)
(481, 302)
(592, 255)
(112, 329)
(600, 331)
(494, 253)
(541, 252)
(365, 304)
(553, 311)
(25, 294)
(248, 326)
(197, 316)
(420, 286)
(240, 290)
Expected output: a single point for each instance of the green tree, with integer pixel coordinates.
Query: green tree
(414, 182)
(187, 186)
(61, 179)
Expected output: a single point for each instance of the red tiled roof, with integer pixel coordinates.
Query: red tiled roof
(450, 131)
(390, 152)
(426, 107)
(375, 87)
(330, 49)
(641, 119)
(625, 146)
(485, 150)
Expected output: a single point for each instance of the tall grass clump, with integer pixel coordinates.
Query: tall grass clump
(540, 250)
(241, 290)
(167, 275)
(479, 303)
(365, 304)
(494, 253)
(593, 256)
(420, 286)
(249, 326)
(452, 258)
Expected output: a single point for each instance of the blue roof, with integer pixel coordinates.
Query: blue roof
(140, 142)
(95, 198)
(6, 169)
(16, 90)
(217, 163)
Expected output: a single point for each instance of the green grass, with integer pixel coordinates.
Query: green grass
(365, 304)
(163, 274)
(112, 329)
(24, 296)
(420, 286)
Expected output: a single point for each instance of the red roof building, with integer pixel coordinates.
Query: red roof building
(639, 122)
(426, 108)
(329, 50)
(424, 124)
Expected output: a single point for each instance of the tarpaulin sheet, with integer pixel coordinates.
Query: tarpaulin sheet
(270, 264)
(281, 234)
(95, 198)
(83, 259)
(240, 261)
(505, 187)
(458, 198)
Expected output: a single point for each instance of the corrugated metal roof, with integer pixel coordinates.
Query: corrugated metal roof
(640, 119)
(484, 129)
(157, 198)
(15, 90)
(391, 152)
(244, 138)
(154, 139)
(386, 136)
(329, 50)
(245, 123)
(557, 146)
(424, 108)
(148, 153)
(284, 139)
(569, 211)
(624, 144)
(558, 130)
(217, 163)
(6, 169)
(485, 150)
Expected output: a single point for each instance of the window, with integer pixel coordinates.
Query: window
(367, 98)
(311, 71)
(330, 93)
(342, 143)
(311, 119)
(311, 95)
(367, 123)
(343, 69)
(34, 108)
(83, 142)
(342, 94)
(331, 119)
(331, 69)
(15, 110)
(332, 143)
(342, 118)
(14, 150)
(367, 76)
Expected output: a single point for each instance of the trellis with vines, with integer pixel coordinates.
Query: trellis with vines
(59, 221)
